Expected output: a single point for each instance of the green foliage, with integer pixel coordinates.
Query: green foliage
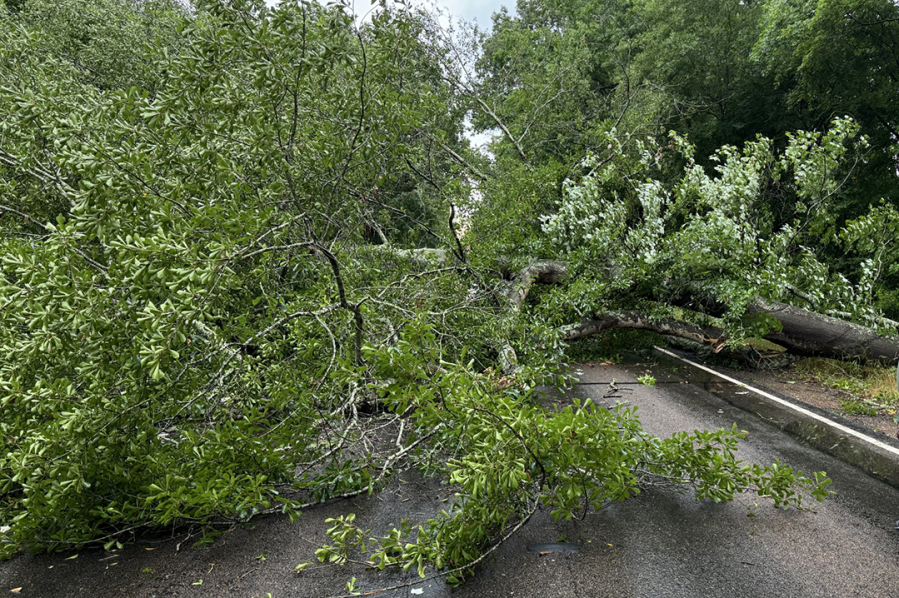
(871, 385)
(832, 54)
(13, 5)
(647, 379)
(876, 235)
(560, 75)
(613, 345)
(714, 232)
(857, 408)
(179, 269)
(550, 75)
(557, 75)
(345, 536)
(698, 51)
(110, 43)
(583, 456)
(211, 267)
(834, 57)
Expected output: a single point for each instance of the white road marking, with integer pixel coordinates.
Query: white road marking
(806, 412)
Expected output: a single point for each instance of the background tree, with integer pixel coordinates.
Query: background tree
(839, 58)
(719, 72)
(698, 52)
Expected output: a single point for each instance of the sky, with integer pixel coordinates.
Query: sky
(470, 10)
(474, 10)
(479, 10)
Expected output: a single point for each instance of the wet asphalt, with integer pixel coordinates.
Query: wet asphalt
(660, 543)
(663, 543)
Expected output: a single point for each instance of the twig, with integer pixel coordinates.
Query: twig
(466, 567)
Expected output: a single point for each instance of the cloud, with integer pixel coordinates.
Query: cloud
(479, 10)
(470, 10)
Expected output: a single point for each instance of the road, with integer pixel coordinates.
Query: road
(658, 544)
(666, 544)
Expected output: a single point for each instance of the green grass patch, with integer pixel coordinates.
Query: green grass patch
(857, 408)
(870, 384)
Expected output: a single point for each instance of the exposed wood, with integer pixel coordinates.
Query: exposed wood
(542, 271)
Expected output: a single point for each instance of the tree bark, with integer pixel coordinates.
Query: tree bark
(803, 332)
(811, 334)
(542, 271)
(709, 336)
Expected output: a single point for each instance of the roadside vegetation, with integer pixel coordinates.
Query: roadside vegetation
(873, 388)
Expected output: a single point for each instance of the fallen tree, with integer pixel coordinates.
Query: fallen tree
(800, 331)
(194, 314)
(700, 259)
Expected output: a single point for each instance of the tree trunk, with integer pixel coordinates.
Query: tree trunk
(709, 336)
(804, 332)
(811, 334)
(542, 271)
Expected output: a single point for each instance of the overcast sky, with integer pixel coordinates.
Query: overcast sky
(470, 10)
(475, 10)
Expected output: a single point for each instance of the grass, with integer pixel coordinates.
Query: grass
(857, 408)
(871, 385)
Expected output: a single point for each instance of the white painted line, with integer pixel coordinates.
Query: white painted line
(789, 405)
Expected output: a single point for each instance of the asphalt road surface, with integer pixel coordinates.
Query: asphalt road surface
(660, 543)
(667, 544)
